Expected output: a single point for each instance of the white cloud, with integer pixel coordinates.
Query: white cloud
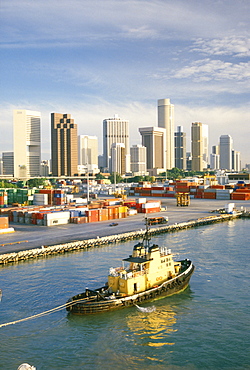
(207, 70)
(238, 46)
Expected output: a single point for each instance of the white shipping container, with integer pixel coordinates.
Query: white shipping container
(132, 212)
(55, 222)
(152, 205)
(80, 200)
(141, 200)
(57, 215)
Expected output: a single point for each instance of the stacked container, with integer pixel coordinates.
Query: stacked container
(49, 193)
(92, 215)
(151, 207)
(59, 197)
(3, 199)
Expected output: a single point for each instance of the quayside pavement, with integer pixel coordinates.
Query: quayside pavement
(27, 237)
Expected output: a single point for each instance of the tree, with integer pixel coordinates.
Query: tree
(35, 183)
(115, 178)
(7, 184)
(99, 176)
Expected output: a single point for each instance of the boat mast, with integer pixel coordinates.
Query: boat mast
(146, 237)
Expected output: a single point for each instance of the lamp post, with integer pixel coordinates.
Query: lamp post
(166, 167)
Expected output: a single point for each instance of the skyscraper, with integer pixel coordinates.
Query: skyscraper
(27, 143)
(199, 136)
(215, 158)
(138, 155)
(236, 162)
(118, 158)
(153, 138)
(64, 150)
(8, 163)
(226, 147)
(166, 120)
(205, 145)
(180, 148)
(88, 152)
(115, 130)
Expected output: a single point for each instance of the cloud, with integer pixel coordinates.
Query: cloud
(232, 45)
(63, 22)
(207, 70)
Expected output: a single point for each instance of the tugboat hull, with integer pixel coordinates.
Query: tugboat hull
(91, 302)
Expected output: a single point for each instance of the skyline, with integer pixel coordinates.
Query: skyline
(95, 59)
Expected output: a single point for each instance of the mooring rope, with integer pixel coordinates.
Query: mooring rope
(58, 308)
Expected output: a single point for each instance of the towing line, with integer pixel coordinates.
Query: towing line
(58, 308)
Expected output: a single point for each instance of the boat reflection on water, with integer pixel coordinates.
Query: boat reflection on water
(155, 324)
(153, 328)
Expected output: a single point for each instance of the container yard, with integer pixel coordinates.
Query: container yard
(52, 207)
(238, 191)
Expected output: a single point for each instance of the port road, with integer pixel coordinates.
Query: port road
(32, 236)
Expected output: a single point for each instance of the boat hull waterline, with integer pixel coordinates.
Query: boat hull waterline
(98, 300)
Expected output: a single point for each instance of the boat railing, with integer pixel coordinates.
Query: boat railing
(165, 252)
(133, 274)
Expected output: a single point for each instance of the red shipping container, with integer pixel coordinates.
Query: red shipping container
(209, 195)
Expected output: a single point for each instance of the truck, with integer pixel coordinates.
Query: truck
(157, 220)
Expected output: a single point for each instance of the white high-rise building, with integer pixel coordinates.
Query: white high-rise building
(115, 130)
(226, 147)
(27, 143)
(214, 161)
(88, 152)
(166, 120)
(138, 155)
(205, 145)
(215, 158)
(236, 161)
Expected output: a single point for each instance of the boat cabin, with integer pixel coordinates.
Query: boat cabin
(146, 267)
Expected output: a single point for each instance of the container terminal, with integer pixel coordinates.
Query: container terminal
(32, 218)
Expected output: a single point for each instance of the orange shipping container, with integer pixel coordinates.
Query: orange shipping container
(240, 196)
(243, 190)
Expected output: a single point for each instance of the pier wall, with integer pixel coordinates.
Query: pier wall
(45, 251)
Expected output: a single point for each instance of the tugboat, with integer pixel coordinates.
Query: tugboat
(149, 273)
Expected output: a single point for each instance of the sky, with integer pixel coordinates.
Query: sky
(97, 58)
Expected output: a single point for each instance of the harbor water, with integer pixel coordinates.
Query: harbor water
(204, 327)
